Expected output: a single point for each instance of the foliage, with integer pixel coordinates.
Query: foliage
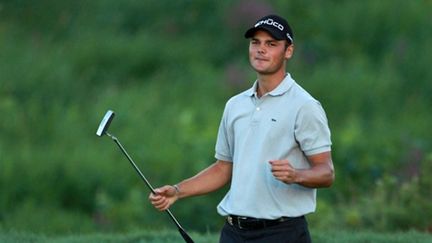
(167, 69)
(173, 236)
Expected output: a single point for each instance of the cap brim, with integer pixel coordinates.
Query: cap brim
(275, 34)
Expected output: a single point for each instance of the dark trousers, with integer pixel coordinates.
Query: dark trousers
(292, 231)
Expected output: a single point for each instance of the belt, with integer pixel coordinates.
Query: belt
(248, 223)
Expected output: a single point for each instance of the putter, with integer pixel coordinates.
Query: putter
(102, 130)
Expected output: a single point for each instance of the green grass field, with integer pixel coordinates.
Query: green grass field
(173, 236)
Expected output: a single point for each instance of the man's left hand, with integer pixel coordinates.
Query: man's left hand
(283, 171)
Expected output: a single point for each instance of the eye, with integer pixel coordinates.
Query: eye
(272, 43)
(254, 42)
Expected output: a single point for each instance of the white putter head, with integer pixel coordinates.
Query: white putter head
(105, 123)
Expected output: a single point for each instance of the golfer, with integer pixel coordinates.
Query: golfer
(273, 146)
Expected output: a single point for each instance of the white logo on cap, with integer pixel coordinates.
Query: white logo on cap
(270, 22)
(289, 37)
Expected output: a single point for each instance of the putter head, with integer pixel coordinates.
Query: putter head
(104, 124)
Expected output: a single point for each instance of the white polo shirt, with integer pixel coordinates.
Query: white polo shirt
(286, 123)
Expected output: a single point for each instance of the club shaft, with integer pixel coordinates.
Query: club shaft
(143, 177)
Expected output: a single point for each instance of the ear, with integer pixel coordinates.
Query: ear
(289, 51)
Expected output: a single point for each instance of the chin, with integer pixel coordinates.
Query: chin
(259, 69)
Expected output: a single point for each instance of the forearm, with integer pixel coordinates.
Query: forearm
(321, 175)
(208, 180)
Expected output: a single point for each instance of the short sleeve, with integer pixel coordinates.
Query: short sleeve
(224, 143)
(311, 129)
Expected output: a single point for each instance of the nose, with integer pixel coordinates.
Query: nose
(261, 49)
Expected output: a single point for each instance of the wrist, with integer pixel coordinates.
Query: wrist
(298, 176)
(177, 189)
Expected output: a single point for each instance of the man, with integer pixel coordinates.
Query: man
(273, 146)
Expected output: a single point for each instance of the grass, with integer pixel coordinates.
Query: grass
(372, 237)
(137, 237)
(173, 236)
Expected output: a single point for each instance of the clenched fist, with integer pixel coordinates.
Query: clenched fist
(283, 171)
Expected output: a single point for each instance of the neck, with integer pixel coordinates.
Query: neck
(267, 83)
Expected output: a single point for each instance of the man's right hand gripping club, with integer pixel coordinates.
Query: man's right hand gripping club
(165, 196)
(210, 179)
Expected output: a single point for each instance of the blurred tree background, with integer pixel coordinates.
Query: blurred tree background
(167, 69)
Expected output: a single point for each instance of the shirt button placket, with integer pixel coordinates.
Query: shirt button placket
(257, 113)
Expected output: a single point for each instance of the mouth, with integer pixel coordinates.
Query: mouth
(261, 59)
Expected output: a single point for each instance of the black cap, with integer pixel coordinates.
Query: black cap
(277, 26)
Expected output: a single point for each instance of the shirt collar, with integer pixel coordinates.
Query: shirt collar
(281, 89)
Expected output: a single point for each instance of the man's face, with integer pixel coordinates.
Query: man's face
(266, 54)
